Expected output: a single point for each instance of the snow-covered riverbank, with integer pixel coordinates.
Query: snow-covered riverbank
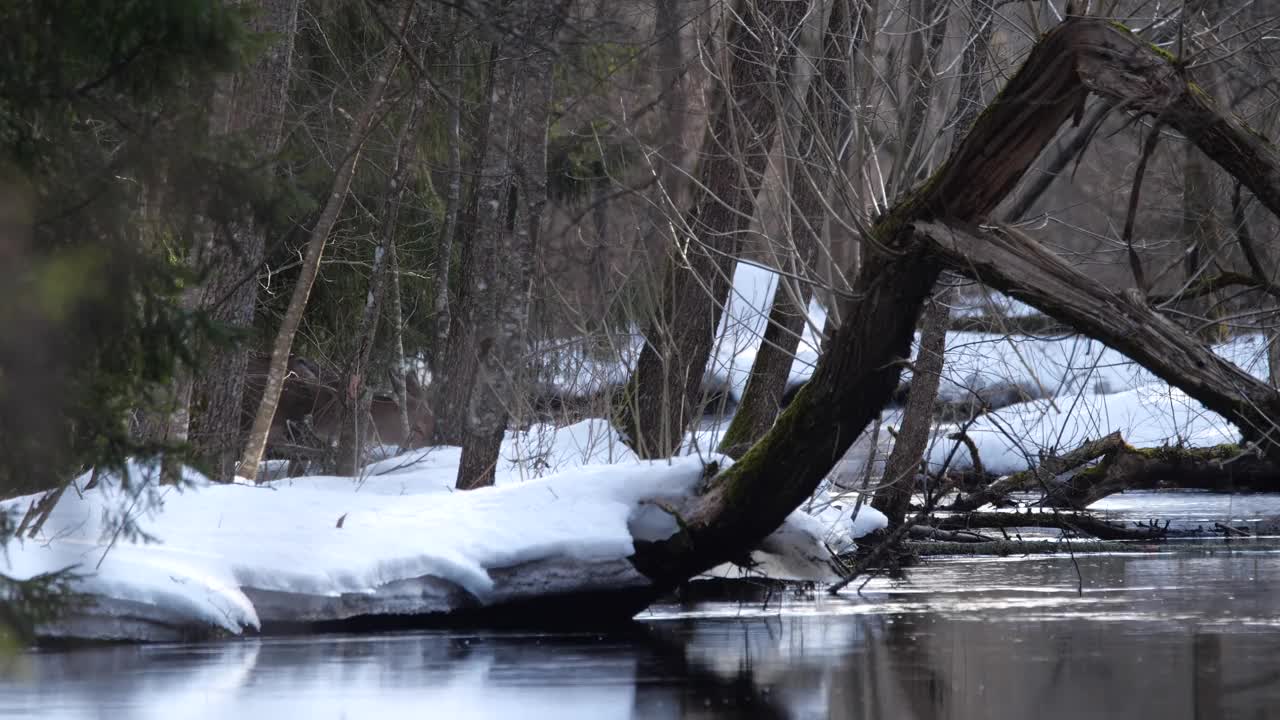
(234, 558)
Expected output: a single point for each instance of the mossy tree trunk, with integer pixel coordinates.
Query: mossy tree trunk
(854, 379)
(1120, 467)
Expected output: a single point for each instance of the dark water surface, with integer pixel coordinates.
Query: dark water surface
(1188, 635)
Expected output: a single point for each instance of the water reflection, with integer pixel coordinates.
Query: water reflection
(1168, 636)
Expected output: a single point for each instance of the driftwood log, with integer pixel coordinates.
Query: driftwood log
(1076, 522)
(1064, 482)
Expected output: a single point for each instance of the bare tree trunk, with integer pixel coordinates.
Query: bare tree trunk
(354, 389)
(1015, 264)
(512, 195)
(455, 367)
(924, 46)
(1273, 357)
(671, 79)
(395, 317)
(1202, 226)
(252, 103)
(893, 496)
(972, 61)
(663, 392)
(672, 150)
(1202, 232)
(283, 345)
(453, 198)
(814, 155)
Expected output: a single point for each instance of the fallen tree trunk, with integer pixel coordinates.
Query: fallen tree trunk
(1017, 265)
(1042, 477)
(1082, 523)
(1222, 468)
(859, 371)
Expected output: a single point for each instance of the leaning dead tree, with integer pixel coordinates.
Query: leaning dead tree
(938, 226)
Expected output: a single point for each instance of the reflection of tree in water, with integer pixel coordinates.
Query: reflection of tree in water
(703, 691)
(912, 663)
(992, 664)
(1206, 686)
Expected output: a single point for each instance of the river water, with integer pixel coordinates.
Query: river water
(1170, 636)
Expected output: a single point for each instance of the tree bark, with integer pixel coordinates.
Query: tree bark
(208, 408)
(453, 198)
(311, 262)
(399, 373)
(455, 368)
(893, 495)
(663, 392)
(810, 158)
(859, 372)
(512, 195)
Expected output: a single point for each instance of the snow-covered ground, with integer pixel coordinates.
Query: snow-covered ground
(397, 541)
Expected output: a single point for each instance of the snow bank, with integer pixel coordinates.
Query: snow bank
(399, 541)
(1013, 438)
(570, 370)
(1056, 367)
(997, 368)
(743, 324)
